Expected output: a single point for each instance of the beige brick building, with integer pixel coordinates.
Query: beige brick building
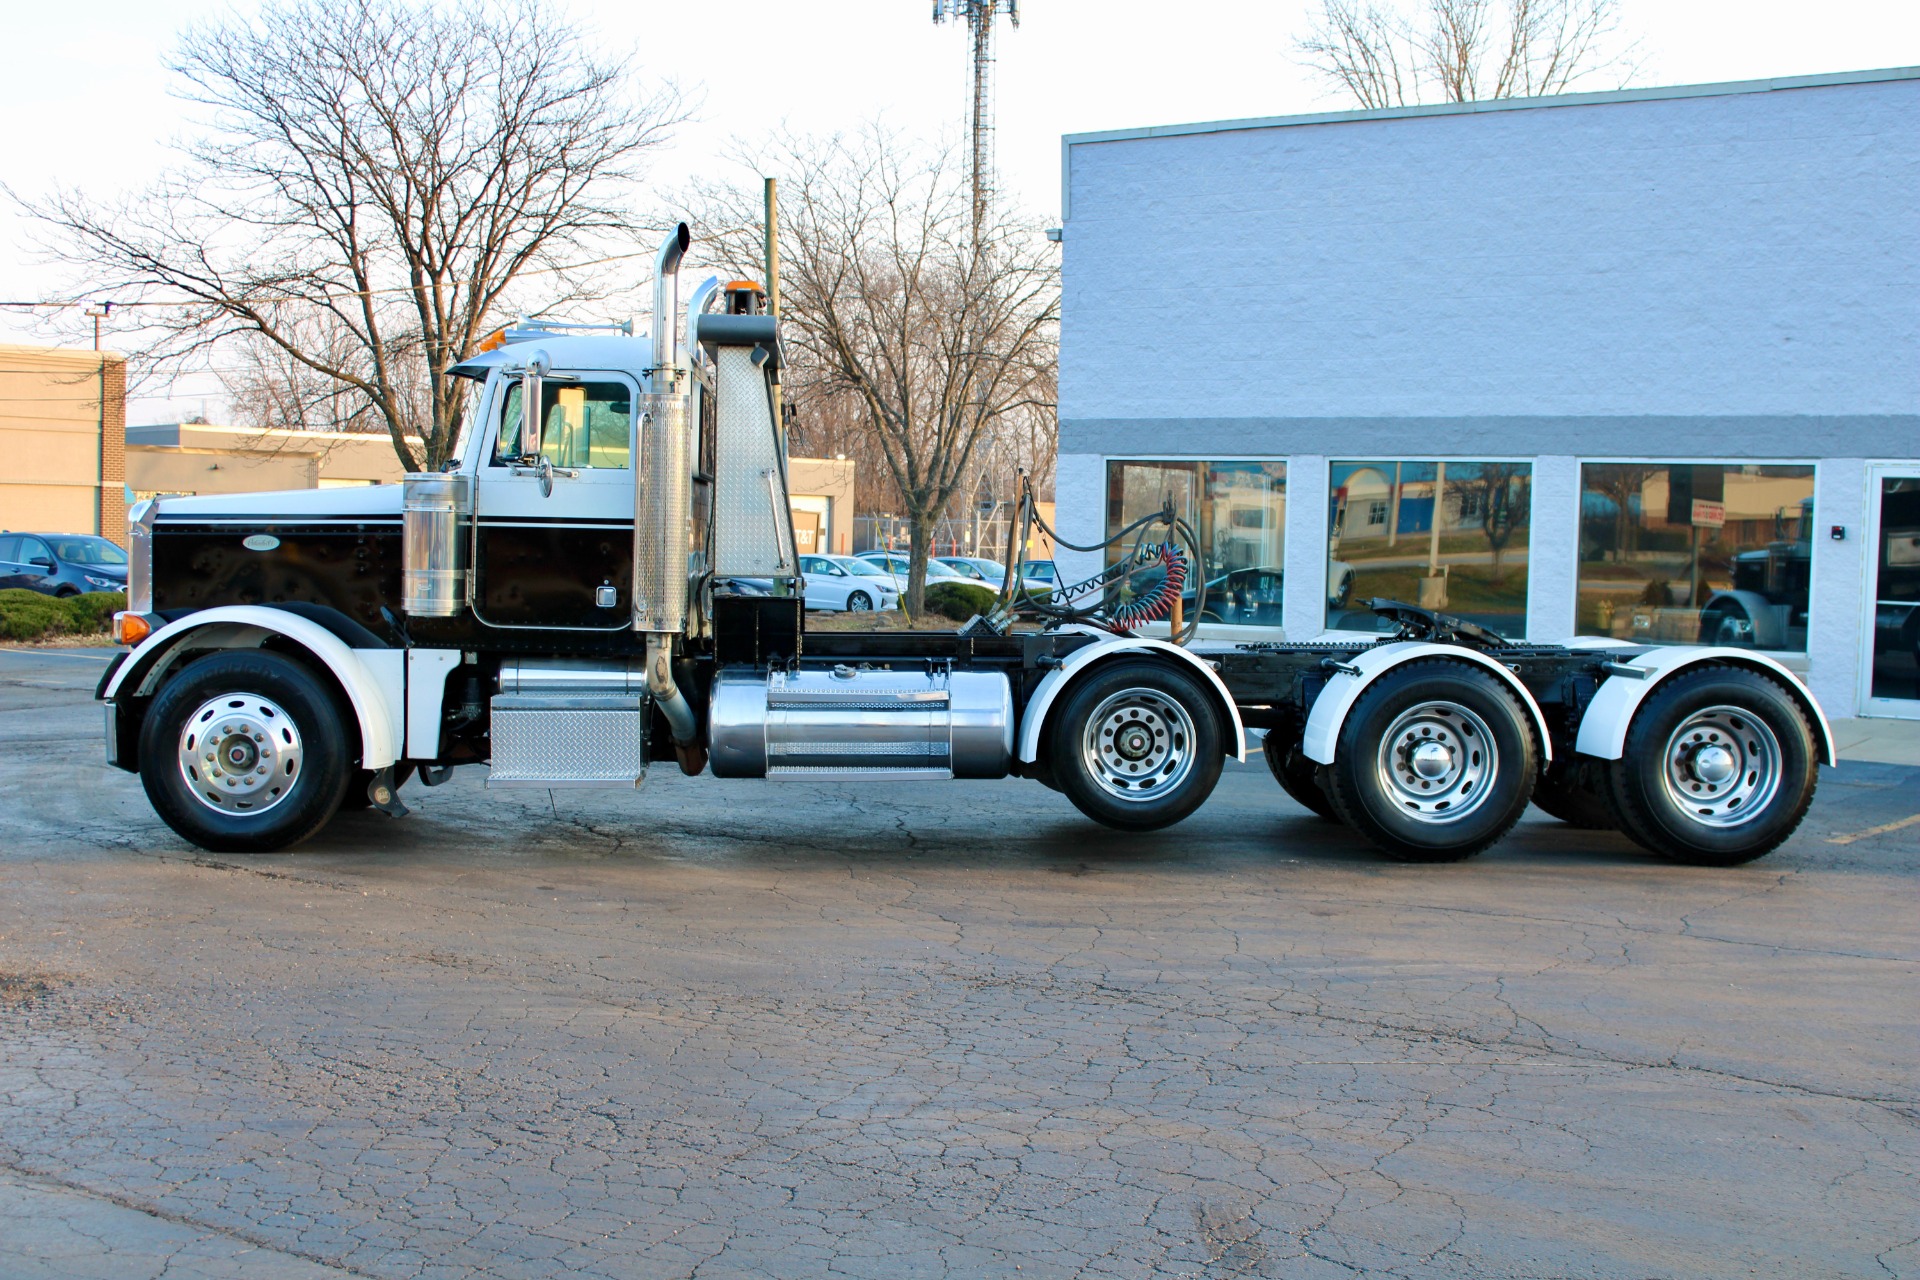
(63, 417)
(189, 457)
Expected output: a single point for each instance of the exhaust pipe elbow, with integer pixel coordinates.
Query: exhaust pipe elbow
(666, 694)
(666, 296)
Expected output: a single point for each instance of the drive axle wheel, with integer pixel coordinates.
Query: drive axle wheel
(1136, 745)
(1574, 790)
(1435, 762)
(1299, 778)
(244, 752)
(1718, 769)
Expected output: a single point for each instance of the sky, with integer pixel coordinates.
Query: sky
(92, 107)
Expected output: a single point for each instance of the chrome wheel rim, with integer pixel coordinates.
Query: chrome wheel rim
(1437, 762)
(1722, 766)
(1138, 745)
(240, 754)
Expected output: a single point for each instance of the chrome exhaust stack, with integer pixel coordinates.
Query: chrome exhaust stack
(663, 506)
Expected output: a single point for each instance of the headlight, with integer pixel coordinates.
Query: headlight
(104, 584)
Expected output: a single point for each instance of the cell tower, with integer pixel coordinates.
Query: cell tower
(979, 15)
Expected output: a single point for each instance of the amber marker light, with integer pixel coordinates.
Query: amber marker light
(494, 341)
(130, 629)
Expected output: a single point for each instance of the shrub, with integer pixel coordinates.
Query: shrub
(29, 615)
(959, 600)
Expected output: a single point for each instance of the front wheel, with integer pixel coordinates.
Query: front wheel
(859, 602)
(1136, 745)
(1718, 769)
(1435, 762)
(244, 751)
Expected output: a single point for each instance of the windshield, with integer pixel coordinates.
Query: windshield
(866, 568)
(88, 551)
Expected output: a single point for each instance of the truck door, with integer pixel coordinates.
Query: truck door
(554, 531)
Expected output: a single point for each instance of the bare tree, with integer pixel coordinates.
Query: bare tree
(1504, 494)
(375, 176)
(1383, 55)
(938, 337)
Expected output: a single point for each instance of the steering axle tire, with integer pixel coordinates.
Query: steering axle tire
(1436, 761)
(245, 751)
(1719, 768)
(1136, 745)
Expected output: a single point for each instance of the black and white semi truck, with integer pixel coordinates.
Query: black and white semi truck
(559, 607)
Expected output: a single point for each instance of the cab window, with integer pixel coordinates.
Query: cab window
(582, 424)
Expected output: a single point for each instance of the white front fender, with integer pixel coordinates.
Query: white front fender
(1351, 679)
(1603, 729)
(374, 680)
(1055, 682)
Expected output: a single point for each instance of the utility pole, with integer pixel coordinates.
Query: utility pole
(98, 313)
(979, 15)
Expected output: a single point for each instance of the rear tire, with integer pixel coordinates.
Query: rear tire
(1719, 768)
(1136, 745)
(1299, 778)
(279, 744)
(1574, 790)
(1435, 762)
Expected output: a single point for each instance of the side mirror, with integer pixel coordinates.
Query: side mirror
(530, 385)
(41, 562)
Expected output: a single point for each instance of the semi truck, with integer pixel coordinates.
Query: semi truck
(557, 607)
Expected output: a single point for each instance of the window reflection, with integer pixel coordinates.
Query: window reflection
(1696, 553)
(1238, 510)
(1451, 536)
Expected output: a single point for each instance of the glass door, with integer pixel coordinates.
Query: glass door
(1893, 640)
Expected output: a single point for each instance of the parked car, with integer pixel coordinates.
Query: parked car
(61, 564)
(988, 573)
(844, 583)
(895, 564)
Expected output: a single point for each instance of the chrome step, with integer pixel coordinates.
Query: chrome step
(568, 739)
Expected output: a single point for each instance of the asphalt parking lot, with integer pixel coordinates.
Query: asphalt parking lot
(750, 1029)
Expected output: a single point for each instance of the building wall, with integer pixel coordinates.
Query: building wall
(1721, 273)
(62, 440)
(823, 488)
(189, 457)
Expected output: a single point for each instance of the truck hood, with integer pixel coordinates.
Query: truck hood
(367, 502)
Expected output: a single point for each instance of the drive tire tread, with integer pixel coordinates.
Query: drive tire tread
(1299, 778)
(1069, 771)
(1637, 797)
(1348, 783)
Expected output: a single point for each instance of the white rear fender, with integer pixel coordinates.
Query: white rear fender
(1352, 677)
(1603, 729)
(1056, 682)
(374, 680)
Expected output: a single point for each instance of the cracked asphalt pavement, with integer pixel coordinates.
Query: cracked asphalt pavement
(750, 1029)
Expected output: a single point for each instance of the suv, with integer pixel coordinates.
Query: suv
(61, 564)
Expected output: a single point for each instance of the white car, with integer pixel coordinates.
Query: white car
(988, 573)
(841, 582)
(894, 564)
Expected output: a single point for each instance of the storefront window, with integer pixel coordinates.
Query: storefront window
(1450, 536)
(1696, 553)
(1238, 510)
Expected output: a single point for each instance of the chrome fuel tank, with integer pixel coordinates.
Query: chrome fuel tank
(861, 722)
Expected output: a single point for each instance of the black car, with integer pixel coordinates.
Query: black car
(61, 564)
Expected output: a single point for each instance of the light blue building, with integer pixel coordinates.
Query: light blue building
(1642, 364)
